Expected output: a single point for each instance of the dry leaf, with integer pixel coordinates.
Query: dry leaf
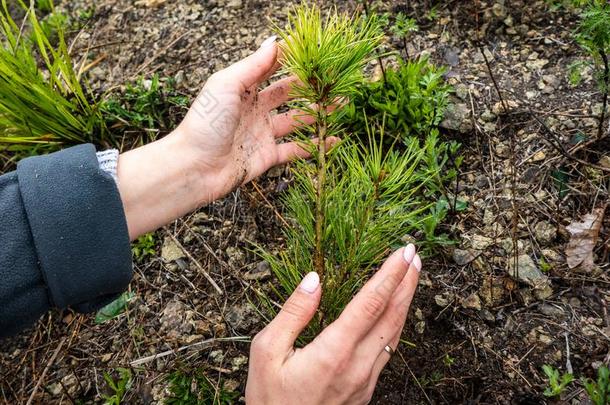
(584, 236)
(150, 3)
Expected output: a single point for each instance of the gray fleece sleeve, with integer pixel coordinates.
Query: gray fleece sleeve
(63, 237)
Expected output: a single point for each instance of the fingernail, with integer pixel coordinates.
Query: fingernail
(269, 41)
(310, 283)
(409, 253)
(417, 263)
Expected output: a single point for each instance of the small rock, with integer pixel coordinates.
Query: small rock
(217, 356)
(461, 92)
(235, 3)
(502, 150)
(487, 316)
(176, 320)
(545, 232)
(236, 257)
(538, 156)
(238, 362)
(443, 300)
(575, 302)
(489, 127)
(498, 108)
(452, 57)
(551, 310)
(463, 257)
(262, 271)
(480, 242)
(499, 10)
(170, 251)
(545, 339)
(472, 302)
(275, 172)
(543, 292)
(526, 271)
(420, 327)
(488, 116)
(457, 118)
(242, 317)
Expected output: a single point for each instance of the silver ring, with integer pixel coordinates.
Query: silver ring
(389, 350)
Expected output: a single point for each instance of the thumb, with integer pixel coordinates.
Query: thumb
(296, 313)
(257, 67)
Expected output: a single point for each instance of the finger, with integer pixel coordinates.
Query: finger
(255, 68)
(287, 152)
(287, 122)
(276, 65)
(295, 314)
(365, 310)
(277, 93)
(393, 319)
(382, 360)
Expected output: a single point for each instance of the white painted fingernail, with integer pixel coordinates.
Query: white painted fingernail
(409, 253)
(269, 41)
(310, 283)
(417, 263)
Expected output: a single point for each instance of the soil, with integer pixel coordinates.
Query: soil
(476, 333)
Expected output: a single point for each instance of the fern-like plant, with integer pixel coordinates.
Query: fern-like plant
(43, 104)
(410, 102)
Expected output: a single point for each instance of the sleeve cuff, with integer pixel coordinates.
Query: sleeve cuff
(78, 225)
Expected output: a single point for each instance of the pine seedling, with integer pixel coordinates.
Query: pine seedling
(349, 208)
(594, 37)
(42, 102)
(327, 55)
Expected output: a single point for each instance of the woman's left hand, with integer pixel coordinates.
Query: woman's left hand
(230, 136)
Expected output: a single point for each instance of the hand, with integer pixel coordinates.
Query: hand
(342, 364)
(232, 125)
(228, 137)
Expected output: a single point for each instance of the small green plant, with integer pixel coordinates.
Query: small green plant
(557, 382)
(197, 389)
(448, 360)
(144, 106)
(411, 102)
(599, 391)
(119, 387)
(144, 246)
(594, 36)
(43, 104)
(545, 266)
(46, 6)
(115, 308)
(403, 28)
(432, 14)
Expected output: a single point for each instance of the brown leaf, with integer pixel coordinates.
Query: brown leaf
(584, 236)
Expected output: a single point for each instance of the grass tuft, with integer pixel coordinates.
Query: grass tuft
(43, 104)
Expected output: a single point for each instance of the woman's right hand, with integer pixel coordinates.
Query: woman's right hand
(342, 364)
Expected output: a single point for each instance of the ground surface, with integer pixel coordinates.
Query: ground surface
(478, 334)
